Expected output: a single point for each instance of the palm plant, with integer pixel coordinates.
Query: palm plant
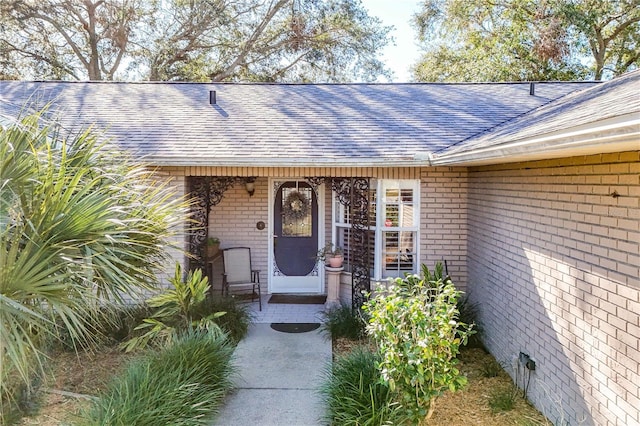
(80, 225)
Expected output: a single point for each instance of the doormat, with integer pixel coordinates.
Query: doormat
(288, 327)
(297, 299)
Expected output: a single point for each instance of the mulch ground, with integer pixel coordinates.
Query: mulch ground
(84, 374)
(87, 374)
(471, 405)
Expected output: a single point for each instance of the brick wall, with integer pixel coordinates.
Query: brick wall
(554, 261)
(234, 221)
(443, 220)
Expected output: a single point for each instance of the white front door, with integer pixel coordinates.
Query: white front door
(296, 233)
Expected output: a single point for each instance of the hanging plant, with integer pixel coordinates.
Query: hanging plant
(296, 206)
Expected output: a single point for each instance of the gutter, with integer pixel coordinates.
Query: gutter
(614, 135)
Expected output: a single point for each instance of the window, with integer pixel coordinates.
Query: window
(393, 231)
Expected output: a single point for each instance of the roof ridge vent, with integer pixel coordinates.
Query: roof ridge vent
(212, 97)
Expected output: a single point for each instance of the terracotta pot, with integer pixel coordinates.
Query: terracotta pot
(213, 250)
(336, 261)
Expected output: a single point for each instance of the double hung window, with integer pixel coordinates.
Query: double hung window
(393, 228)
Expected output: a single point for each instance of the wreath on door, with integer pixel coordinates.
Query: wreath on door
(296, 206)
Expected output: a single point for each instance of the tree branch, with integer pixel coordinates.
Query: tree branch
(248, 46)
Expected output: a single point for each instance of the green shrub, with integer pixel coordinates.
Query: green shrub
(354, 393)
(110, 325)
(236, 320)
(344, 321)
(503, 399)
(468, 314)
(183, 384)
(415, 325)
(81, 225)
(490, 368)
(174, 311)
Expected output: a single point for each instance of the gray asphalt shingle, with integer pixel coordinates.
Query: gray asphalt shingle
(173, 123)
(616, 98)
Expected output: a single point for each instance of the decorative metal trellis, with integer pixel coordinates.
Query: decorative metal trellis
(207, 191)
(354, 194)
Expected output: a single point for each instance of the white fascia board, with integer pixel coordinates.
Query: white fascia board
(613, 135)
(283, 162)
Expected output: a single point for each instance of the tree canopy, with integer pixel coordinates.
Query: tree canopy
(187, 40)
(511, 40)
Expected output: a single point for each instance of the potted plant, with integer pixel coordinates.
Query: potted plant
(331, 255)
(213, 246)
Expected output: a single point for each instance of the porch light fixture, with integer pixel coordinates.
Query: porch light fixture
(250, 186)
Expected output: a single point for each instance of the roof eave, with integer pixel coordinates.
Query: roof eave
(418, 161)
(616, 135)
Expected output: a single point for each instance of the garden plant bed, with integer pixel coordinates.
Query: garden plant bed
(470, 406)
(83, 374)
(87, 374)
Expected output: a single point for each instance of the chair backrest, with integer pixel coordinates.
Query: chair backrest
(236, 262)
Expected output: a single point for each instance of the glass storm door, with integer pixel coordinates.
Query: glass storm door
(295, 237)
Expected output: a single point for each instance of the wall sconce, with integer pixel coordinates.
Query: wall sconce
(250, 185)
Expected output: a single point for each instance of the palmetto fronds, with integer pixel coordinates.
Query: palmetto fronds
(80, 225)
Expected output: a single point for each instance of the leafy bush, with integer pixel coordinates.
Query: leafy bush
(490, 368)
(183, 384)
(236, 320)
(354, 393)
(415, 324)
(80, 224)
(468, 314)
(344, 321)
(503, 399)
(174, 312)
(110, 325)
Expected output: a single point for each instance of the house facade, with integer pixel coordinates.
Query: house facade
(529, 192)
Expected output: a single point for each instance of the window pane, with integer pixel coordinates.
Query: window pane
(296, 212)
(391, 215)
(407, 195)
(373, 207)
(341, 213)
(391, 195)
(406, 216)
(343, 235)
(398, 253)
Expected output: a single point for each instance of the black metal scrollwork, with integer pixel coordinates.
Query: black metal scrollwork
(207, 191)
(359, 241)
(342, 188)
(354, 193)
(315, 182)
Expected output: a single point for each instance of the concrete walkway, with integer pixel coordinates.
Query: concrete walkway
(279, 376)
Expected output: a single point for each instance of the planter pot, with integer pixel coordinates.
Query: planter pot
(336, 261)
(213, 250)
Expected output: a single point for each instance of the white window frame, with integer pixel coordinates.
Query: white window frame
(380, 186)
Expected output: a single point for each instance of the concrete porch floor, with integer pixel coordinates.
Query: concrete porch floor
(281, 312)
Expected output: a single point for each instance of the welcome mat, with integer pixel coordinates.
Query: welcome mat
(297, 299)
(288, 327)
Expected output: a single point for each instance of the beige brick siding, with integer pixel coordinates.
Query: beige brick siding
(234, 222)
(443, 220)
(554, 261)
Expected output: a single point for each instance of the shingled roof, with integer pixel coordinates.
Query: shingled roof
(286, 124)
(606, 113)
